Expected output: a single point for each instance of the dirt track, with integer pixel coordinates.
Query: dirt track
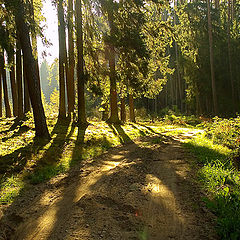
(142, 190)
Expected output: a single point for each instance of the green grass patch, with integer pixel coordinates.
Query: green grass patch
(24, 161)
(222, 183)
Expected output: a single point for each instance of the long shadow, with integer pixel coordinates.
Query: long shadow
(135, 127)
(204, 154)
(37, 174)
(46, 166)
(148, 128)
(79, 145)
(119, 204)
(16, 161)
(17, 123)
(64, 206)
(57, 147)
(117, 196)
(138, 172)
(21, 130)
(119, 132)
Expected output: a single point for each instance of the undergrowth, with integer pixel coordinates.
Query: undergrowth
(23, 161)
(219, 177)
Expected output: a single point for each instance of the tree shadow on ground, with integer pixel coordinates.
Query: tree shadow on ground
(21, 130)
(119, 132)
(106, 189)
(112, 205)
(148, 128)
(46, 166)
(17, 123)
(15, 162)
(79, 145)
(135, 126)
(204, 154)
(45, 172)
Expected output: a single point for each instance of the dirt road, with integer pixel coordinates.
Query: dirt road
(143, 190)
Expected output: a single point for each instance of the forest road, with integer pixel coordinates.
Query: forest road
(142, 190)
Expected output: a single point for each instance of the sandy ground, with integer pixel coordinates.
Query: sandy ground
(143, 190)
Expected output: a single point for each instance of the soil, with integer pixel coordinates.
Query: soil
(145, 190)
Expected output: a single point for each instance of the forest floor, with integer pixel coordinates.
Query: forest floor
(144, 189)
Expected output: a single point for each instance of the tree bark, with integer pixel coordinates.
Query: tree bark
(112, 75)
(62, 52)
(230, 53)
(1, 113)
(27, 106)
(34, 42)
(13, 83)
(80, 66)
(71, 65)
(123, 110)
(4, 81)
(131, 108)
(19, 81)
(105, 112)
(32, 75)
(214, 93)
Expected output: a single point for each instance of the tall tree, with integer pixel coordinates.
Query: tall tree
(214, 91)
(71, 65)
(131, 108)
(1, 94)
(11, 63)
(123, 109)
(4, 81)
(34, 37)
(62, 60)
(230, 51)
(19, 80)
(41, 129)
(27, 106)
(112, 67)
(80, 65)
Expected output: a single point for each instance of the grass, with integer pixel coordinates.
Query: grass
(221, 181)
(23, 161)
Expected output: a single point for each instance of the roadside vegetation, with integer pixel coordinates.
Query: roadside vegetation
(26, 160)
(217, 152)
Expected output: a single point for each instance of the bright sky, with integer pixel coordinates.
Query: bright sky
(51, 33)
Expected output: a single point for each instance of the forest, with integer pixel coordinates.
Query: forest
(132, 131)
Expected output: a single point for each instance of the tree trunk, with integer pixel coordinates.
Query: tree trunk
(214, 93)
(4, 81)
(123, 110)
(62, 41)
(27, 106)
(131, 108)
(105, 112)
(80, 69)
(113, 84)
(19, 81)
(1, 95)
(32, 75)
(70, 83)
(13, 83)
(230, 54)
(156, 106)
(34, 42)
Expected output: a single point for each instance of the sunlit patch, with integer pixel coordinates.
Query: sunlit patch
(161, 194)
(110, 165)
(154, 185)
(117, 157)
